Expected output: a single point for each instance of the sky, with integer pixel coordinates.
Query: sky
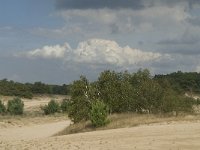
(56, 41)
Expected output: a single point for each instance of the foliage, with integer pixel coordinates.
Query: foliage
(182, 81)
(149, 96)
(174, 102)
(64, 105)
(115, 91)
(40, 88)
(51, 108)
(125, 92)
(79, 109)
(198, 101)
(11, 88)
(80, 102)
(98, 114)
(15, 106)
(185, 104)
(2, 108)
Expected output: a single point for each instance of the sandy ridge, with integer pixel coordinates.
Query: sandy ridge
(180, 135)
(32, 132)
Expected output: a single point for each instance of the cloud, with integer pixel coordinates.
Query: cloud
(57, 32)
(97, 4)
(195, 21)
(121, 4)
(162, 25)
(186, 43)
(126, 20)
(185, 63)
(95, 52)
(5, 28)
(47, 52)
(198, 68)
(98, 51)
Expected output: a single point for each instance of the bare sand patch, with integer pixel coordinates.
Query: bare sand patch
(177, 135)
(35, 132)
(32, 132)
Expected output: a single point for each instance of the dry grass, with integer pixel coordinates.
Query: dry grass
(127, 120)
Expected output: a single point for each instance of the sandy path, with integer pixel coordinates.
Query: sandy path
(176, 136)
(32, 132)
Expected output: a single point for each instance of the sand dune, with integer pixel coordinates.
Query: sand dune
(176, 136)
(36, 133)
(32, 132)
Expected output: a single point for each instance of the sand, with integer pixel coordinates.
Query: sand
(174, 136)
(37, 101)
(36, 134)
(32, 132)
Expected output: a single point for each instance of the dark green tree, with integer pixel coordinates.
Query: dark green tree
(80, 102)
(115, 91)
(98, 114)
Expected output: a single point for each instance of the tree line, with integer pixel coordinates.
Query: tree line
(126, 92)
(27, 90)
(182, 81)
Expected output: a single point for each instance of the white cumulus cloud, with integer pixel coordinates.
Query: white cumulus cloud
(56, 51)
(94, 52)
(98, 51)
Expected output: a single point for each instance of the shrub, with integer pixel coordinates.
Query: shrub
(80, 102)
(186, 104)
(98, 114)
(27, 94)
(198, 101)
(174, 102)
(51, 108)
(2, 108)
(79, 109)
(15, 106)
(64, 105)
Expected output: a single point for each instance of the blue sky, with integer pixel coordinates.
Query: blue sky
(26, 13)
(55, 41)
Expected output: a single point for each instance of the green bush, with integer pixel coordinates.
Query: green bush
(98, 114)
(80, 102)
(79, 109)
(2, 108)
(198, 101)
(174, 102)
(27, 94)
(186, 104)
(64, 105)
(51, 108)
(15, 106)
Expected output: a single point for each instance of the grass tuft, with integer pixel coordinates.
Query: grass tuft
(126, 120)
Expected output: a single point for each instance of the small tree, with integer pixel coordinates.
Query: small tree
(98, 114)
(51, 108)
(15, 106)
(115, 91)
(149, 96)
(198, 102)
(80, 102)
(79, 109)
(64, 105)
(2, 108)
